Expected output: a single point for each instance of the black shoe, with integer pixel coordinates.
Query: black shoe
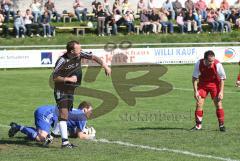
(13, 129)
(222, 128)
(195, 128)
(48, 140)
(68, 146)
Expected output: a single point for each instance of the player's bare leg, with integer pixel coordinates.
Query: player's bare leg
(219, 113)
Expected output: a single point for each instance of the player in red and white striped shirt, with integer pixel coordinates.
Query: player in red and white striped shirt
(208, 77)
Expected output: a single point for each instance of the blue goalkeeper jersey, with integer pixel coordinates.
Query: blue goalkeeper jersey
(76, 119)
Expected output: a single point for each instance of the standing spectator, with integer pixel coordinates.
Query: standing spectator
(95, 5)
(191, 23)
(224, 6)
(189, 5)
(125, 6)
(45, 23)
(201, 6)
(165, 21)
(237, 5)
(116, 6)
(129, 21)
(213, 5)
(19, 25)
(50, 7)
(36, 10)
(28, 22)
(167, 5)
(222, 22)
(79, 8)
(7, 6)
(150, 5)
(177, 7)
(100, 20)
(211, 20)
(155, 21)
(180, 22)
(141, 6)
(106, 7)
(208, 77)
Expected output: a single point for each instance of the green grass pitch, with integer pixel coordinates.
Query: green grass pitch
(23, 90)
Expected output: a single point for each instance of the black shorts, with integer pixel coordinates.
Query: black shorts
(64, 99)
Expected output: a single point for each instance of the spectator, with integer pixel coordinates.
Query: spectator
(116, 6)
(155, 21)
(191, 23)
(189, 5)
(177, 7)
(7, 6)
(150, 5)
(165, 21)
(237, 5)
(95, 5)
(101, 20)
(129, 21)
(50, 7)
(117, 20)
(106, 7)
(167, 5)
(125, 6)
(145, 24)
(222, 22)
(201, 6)
(79, 8)
(36, 10)
(141, 6)
(235, 17)
(180, 22)
(211, 20)
(224, 6)
(28, 22)
(198, 19)
(19, 25)
(213, 5)
(45, 23)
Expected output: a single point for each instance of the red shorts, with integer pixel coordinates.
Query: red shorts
(204, 90)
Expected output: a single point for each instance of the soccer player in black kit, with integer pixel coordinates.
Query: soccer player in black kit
(67, 76)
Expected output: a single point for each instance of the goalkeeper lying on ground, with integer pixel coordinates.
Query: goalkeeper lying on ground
(47, 117)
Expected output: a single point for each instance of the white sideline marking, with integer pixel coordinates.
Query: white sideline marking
(163, 149)
(6, 126)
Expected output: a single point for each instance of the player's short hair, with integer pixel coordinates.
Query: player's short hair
(70, 45)
(84, 104)
(208, 53)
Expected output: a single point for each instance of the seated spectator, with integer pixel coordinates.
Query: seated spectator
(189, 5)
(129, 21)
(180, 22)
(198, 19)
(145, 24)
(79, 8)
(36, 10)
(211, 20)
(167, 5)
(116, 6)
(165, 21)
(28, 20)
(19, 25)
(213, 5)
(236, 5)
(95, 5)
(100, 20)
(125, 6)
(222, 22)
(191, 23)
(45, 23)
(50, 8)
(150, 5)
(201, 6)
(155, 21)
(141, 6)
(4, 27)
(116, 21)
(235, 17)
(106, 7)
(7, 6)
(224, 6)
(177, 7)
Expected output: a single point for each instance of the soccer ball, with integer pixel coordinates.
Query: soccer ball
(89, 130)
(238, 84)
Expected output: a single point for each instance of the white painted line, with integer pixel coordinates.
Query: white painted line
(163, 149)
(5, 126)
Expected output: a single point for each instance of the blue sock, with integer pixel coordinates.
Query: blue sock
(29, 131)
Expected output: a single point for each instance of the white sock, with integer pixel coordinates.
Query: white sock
(63, 130)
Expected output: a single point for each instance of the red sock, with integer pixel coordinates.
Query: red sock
(220, 116)
(238, 77)
(198, 117)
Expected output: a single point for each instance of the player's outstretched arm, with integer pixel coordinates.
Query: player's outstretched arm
(108, 70)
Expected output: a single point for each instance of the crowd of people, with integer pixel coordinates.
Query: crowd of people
(188, 17)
